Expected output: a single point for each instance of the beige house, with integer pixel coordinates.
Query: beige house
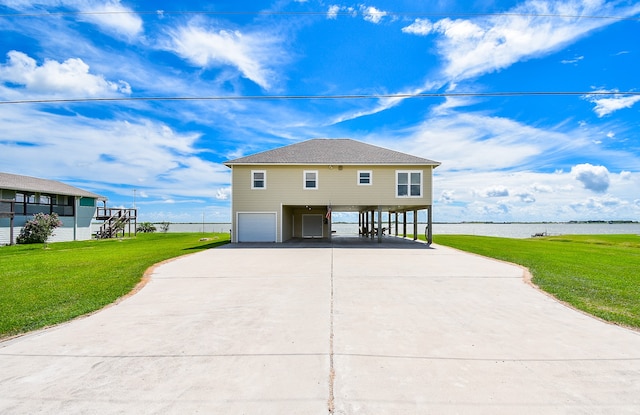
(291, 192)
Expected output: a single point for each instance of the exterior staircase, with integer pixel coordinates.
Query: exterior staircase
(116, 222)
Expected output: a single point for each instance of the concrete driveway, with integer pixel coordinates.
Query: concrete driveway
(379, 329)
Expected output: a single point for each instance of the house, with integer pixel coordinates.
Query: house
(291, 192)
(22, 196)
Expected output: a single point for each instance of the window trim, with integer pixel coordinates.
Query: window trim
(304, 180)
(264, 179)
(370, 177)
(409, 172)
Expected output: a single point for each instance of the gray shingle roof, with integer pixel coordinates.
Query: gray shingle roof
(33, 184)
(331, 151)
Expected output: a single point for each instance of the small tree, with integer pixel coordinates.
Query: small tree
(164, 227)
(38, 229)
(146, 227)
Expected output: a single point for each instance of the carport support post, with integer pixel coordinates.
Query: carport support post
(404, 224)
(415, 224)
(379, 224)
(366, 222)
(429, 226)
(396, 214)
(373, 223)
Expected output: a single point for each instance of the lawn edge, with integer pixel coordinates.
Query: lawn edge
(527, 278)
(144, 280)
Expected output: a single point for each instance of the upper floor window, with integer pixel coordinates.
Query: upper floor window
(258, 179)
(408, 183)
(365, 177)
(310, 179)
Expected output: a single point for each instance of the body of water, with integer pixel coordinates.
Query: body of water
(507, 230)
(510, 230)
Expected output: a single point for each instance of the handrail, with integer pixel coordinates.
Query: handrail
(114, 220)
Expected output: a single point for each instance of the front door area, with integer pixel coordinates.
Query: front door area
(312, 226)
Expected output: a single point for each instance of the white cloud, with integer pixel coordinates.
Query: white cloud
(608, 105)
(526, 197)
(251, 53)
(373, 15)
(487, 44)
(541, 188)
(223, 193)
(113, 155)
(111, 16)
(369, 13)
(495, 191)
(561, 201)
(71, 77)
(570, 61)
(595, 178)
(474, 141)
(625, 175)
(447, 196)
(333, 12)
(599, 204)
(421, 27)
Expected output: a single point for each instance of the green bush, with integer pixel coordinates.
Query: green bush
(38, 229)
(146, 227)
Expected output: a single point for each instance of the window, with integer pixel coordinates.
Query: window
(258, 179)
(364, 177)
(310, 179)
(29, 204)
(409, 184)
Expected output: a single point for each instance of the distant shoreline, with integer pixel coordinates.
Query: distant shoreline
(446, 223)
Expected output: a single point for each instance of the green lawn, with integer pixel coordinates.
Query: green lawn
(599, 274)
(41, 287)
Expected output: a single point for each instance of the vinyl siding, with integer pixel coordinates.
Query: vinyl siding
(64, 233)
(335, 186)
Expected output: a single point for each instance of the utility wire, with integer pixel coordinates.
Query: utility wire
(161, 12)
(324, 97)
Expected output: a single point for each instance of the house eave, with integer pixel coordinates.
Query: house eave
(228, 164)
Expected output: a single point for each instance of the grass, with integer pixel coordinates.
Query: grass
(599, 274)
(41, 287)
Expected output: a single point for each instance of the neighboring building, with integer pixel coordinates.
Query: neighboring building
(290, 192)
(27, 196)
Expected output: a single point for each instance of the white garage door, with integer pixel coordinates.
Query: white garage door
(256, 227)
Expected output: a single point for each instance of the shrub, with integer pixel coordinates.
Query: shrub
(146, 227)
(164, 227)
(38, 229)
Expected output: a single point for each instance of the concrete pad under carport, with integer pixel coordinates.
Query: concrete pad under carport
(250, 329)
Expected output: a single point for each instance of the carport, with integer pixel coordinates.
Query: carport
(315, 221)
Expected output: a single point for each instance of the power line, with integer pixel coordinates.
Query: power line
(325, 97)
(311, 13)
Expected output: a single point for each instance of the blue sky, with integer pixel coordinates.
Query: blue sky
(550, 157)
